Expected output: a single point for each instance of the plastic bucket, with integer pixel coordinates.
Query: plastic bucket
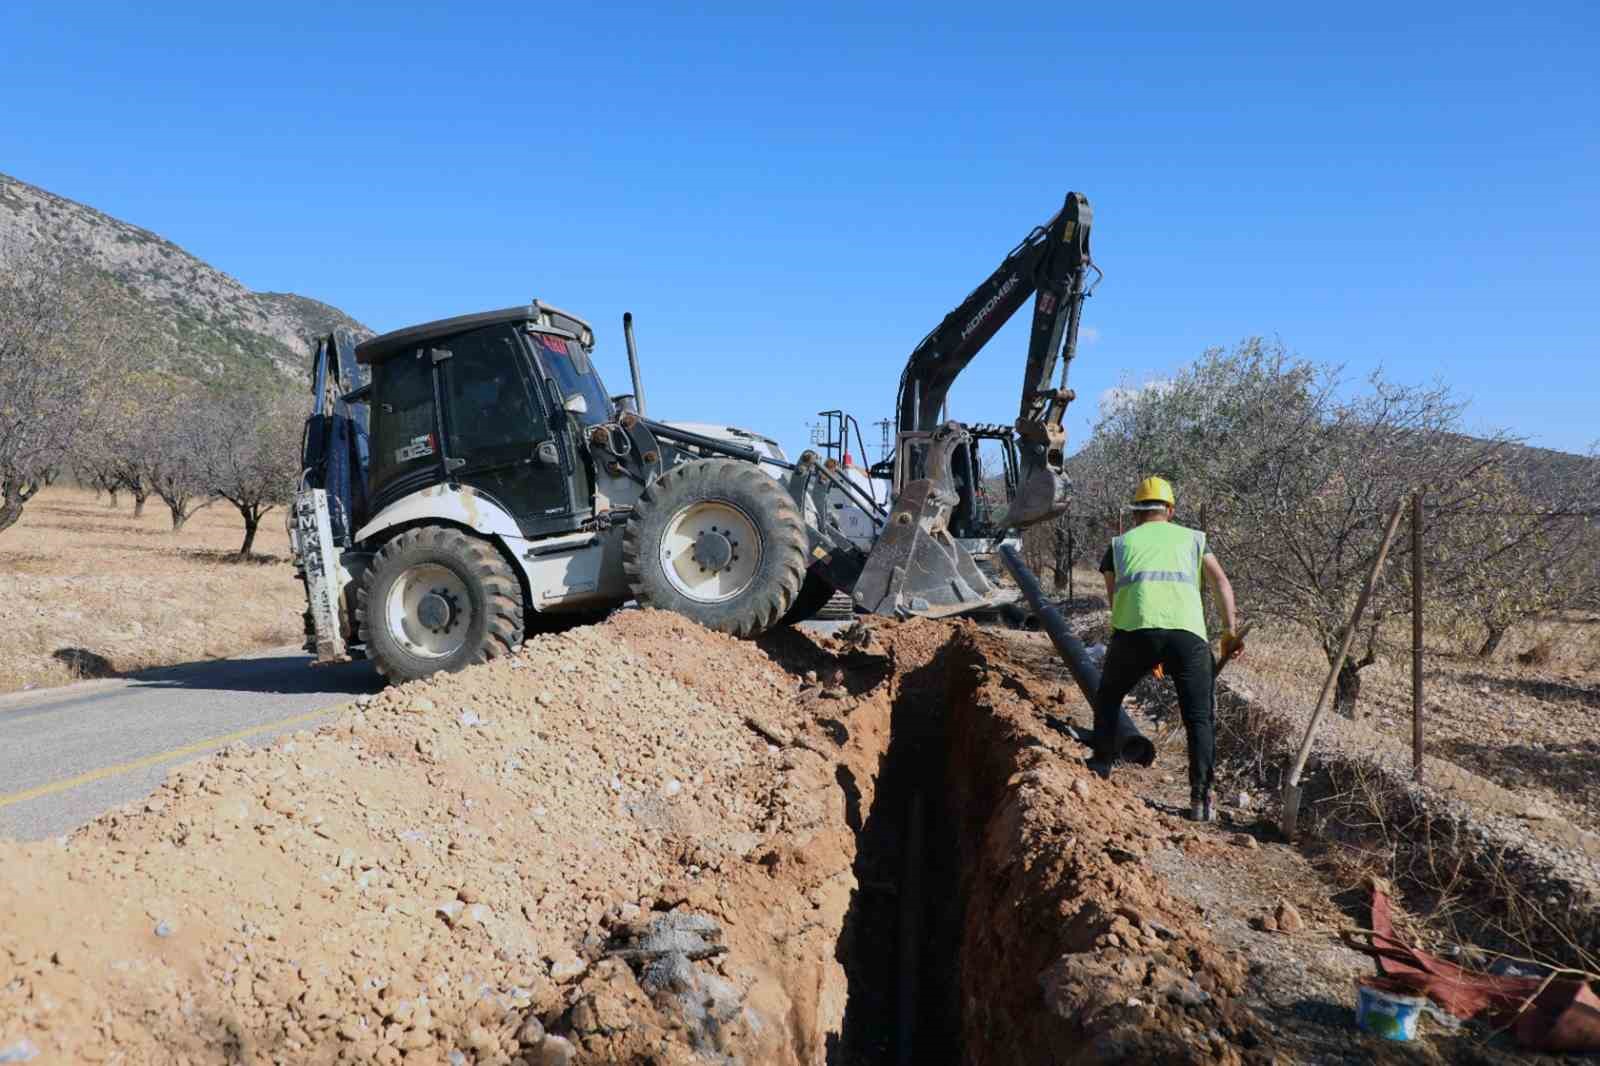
(1385, 1014)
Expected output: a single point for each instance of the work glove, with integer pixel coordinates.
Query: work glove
(1232, 646)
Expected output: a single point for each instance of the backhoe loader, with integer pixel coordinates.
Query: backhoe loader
(469, 481)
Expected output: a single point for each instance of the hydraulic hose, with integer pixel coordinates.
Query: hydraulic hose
(1132, 745)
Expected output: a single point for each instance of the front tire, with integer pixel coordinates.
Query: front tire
(718, 541)
(435, 599)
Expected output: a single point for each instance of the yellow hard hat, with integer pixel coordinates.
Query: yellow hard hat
(1153, 490)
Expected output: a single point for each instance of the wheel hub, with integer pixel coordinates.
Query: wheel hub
(713, 550)
(433, 611)
(429, 611)
(710, 551)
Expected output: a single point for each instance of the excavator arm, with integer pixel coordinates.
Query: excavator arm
(1051, 265)
(917, 566)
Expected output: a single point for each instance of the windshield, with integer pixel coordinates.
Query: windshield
(574, 376)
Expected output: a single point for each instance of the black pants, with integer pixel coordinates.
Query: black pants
(1187, 660)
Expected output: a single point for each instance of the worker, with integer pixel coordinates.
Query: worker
(1155, 574)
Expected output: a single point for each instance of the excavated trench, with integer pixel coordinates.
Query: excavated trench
(1001, 912)
(901, 937)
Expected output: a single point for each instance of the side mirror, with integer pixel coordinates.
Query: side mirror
(576, 404)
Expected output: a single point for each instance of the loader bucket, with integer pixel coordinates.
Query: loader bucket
(916, 567)
(1042, 496)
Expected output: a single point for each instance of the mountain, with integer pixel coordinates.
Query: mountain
(212, 327)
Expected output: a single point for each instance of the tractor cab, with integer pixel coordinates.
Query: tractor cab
(497, 402)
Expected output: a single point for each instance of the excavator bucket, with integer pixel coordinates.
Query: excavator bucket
(916, 567)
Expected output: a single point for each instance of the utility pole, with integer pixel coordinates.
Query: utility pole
(886, 442)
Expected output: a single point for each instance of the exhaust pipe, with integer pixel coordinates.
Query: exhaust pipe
(633, 362)
(1132, 745)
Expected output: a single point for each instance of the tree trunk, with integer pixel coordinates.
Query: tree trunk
(1348, 690)
(10, 511)
(179, 515)
(138, 503)
(16, 493)
(1492, 644)
(252, 522)
(1063, 556)
(111, 498)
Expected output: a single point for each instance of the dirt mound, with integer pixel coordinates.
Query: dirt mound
(439, 874)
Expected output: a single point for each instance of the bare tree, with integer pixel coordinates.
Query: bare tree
(1526, 550)
(95, 474)
(175, 460)
(52, 348)
(254, 456)
(1294, 481)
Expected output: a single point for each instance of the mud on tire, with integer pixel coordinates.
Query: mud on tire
(755, 551)
(482, 614)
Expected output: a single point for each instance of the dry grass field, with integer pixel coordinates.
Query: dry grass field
(86, 590)
(1527, 718)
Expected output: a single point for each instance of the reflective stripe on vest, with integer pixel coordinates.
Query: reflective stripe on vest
(1120, 553)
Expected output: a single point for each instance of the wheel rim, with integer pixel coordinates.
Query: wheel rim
(711, 551)
(428, 611)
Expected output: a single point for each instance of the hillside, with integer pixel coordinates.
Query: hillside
(212, 325)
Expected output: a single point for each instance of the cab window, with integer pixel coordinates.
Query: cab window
(403, 431)
(574, 375)
(490, 418)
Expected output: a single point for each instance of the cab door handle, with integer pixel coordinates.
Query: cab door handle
(546, 453)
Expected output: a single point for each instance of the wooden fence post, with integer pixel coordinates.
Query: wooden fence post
(1416, 635)
(1291, 787)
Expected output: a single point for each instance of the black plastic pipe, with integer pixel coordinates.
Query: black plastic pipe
(1132, 745)
(911, 934)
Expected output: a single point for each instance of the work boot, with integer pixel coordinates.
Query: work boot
(1200, 808)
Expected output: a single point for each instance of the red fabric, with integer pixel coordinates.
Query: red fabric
(1563, 1017)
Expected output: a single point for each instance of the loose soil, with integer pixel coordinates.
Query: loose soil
(1239, 872)
(91, 591)
(633, 842)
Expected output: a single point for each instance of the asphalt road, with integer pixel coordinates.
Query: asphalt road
(67, 754)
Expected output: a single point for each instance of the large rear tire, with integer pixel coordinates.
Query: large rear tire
(718, 541)
(435, 599)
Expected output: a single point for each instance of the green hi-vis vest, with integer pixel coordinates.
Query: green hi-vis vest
(1158, 578)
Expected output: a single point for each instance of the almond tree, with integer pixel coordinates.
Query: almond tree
(52, 350)
(1293, 479)
(254, 456)
(1527, 550)
(174, 442)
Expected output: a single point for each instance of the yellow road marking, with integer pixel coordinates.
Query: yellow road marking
(104, 772)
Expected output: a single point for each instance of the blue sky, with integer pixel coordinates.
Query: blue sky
(789, 198)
